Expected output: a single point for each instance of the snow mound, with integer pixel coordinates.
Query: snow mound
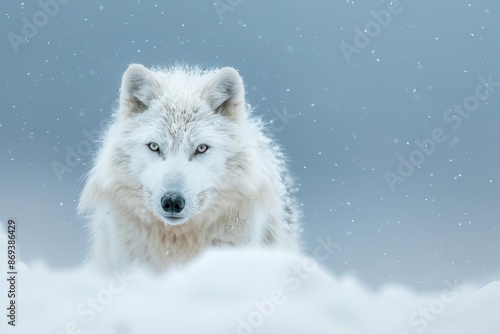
(239, 291)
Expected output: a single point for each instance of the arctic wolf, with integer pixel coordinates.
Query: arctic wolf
(185, 166)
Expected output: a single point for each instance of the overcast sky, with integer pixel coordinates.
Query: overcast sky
(349, 107)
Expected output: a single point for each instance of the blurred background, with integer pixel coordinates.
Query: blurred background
(349, 89)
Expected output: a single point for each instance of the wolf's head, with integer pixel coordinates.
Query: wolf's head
(178, 145)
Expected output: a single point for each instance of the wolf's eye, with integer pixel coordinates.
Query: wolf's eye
(154, 147)
(201, 149)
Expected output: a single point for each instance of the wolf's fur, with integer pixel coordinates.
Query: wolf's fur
(236, 193)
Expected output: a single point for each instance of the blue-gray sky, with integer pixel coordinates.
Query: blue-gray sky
(349, 118)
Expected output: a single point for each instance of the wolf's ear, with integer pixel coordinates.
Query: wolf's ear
(225, 92)
(139, 87)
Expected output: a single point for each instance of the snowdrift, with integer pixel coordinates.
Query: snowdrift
(238, 291)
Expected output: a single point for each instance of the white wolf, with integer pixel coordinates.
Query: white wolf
(185, 166)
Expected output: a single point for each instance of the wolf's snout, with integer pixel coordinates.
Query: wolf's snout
(172, 203)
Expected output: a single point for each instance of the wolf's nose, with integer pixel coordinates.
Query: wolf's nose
(172, 203)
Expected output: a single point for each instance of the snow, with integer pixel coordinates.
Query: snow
(239, 291)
